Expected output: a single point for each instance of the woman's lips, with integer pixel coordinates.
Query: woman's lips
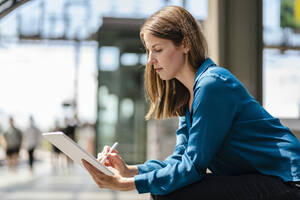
(158, 70)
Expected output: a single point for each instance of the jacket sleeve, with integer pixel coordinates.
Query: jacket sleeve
(181, 143)
(213, 111)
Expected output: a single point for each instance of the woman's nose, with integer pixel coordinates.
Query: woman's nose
(151, 59)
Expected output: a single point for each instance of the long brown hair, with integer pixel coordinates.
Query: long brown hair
(169, 98)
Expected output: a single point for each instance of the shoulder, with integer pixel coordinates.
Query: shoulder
(212, 79)
(219, 74)
(217, 85)
(216, 78)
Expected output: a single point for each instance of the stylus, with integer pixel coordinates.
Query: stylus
(111, 149)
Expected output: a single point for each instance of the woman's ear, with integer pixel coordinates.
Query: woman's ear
(185, 46)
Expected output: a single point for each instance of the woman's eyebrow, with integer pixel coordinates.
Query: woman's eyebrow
(156, 45)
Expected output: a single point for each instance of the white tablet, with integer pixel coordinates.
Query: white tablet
(74, 151)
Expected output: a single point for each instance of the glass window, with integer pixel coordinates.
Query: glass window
(143, 59)
(197, 8)
(127, 108)
(80, 18)
(108, 114)
(129, 59)
(281, 58)
(35, 78)
(109, 58)
(282, 82)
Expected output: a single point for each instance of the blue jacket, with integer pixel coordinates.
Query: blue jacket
(226, 131)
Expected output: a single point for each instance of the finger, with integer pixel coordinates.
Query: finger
(96, 175)
(115, 151)
(105, 149)
(114, 156)
(115, 160)
(86, 165)
(100, 156)
(107, 164)
(91, 168)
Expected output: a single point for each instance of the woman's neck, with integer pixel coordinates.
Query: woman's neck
(186, 76)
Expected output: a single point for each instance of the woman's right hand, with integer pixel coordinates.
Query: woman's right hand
(116, 161)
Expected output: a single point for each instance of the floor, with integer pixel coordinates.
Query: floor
(46, 182)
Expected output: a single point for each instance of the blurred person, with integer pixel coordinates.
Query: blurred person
(221, 126)
(2, 140)
(2, 147)
(56, 153)
(13, 140)
(32, 138)
(70, 127)
(69, 130)
(86, 137)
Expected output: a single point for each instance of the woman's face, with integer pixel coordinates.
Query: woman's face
(166, 58)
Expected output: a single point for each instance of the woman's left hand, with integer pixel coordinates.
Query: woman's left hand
(116, 182)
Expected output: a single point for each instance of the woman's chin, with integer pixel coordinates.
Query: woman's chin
(165, 78)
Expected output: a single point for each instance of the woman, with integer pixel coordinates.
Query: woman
(221, 127)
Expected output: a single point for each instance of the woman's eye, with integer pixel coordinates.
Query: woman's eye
(158, 50)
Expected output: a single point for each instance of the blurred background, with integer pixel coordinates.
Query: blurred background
(77, 66)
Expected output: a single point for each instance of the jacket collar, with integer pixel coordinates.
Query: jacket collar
(206, 64)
